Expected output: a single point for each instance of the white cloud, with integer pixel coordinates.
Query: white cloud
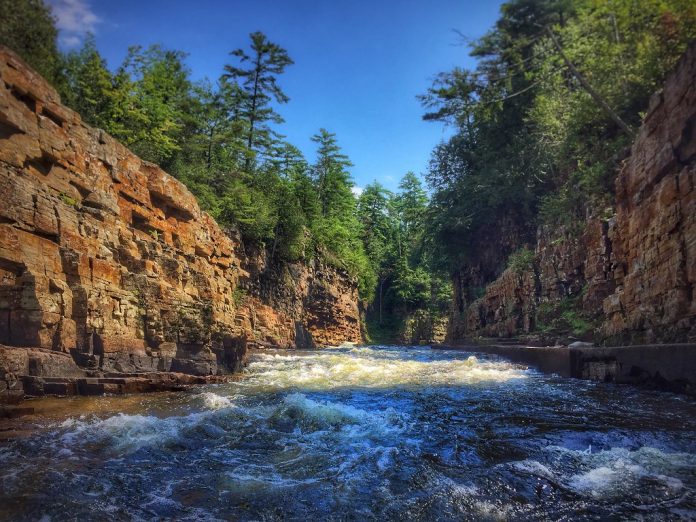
(70, 41)
(356, 191)
(74, 19)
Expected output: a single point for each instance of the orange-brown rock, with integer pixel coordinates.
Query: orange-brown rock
(107, 257)
(565, 265)
(506, 308)
(654, 246)
(634, 273)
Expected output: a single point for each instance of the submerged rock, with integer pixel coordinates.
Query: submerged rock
(580, 344)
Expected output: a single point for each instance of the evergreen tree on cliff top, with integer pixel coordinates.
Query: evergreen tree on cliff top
(162, 97)
(27, 27)
(331, 176)
(257, 76)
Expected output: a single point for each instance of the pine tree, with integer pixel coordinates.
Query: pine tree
(258, 82)
(27, 27)
(411, 204)
(378, 233)
(101, 98)
(330, 174)
(161, 97)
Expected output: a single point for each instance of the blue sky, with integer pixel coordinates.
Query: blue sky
(358, 64)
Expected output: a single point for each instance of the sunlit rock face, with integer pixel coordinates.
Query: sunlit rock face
(654, 247)
(634, 271)
(107, 256)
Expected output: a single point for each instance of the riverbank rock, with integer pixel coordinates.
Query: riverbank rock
(654, 245)
(628, 275)
(109, 260)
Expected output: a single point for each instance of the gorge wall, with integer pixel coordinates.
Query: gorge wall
(623, 278)
(108, 258)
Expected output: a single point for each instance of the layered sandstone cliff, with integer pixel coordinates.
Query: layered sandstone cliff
(624, 278)
(110, 259)
(654, 245)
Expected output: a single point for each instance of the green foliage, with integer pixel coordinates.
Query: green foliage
(330, 173)
(531, 144)
(521, 261)
(342, 248)
(304, 191)
(145, 104)
(28, 28)
(239, 294)
(440, 293)
(385, 332)
(400, 256)
(257, 86)
(289, 238)
(249, 208)
(160, 92)
(90, 88)
(68, 200)
(377, 226)
(565, 315)
(560, 207)
(412, 286)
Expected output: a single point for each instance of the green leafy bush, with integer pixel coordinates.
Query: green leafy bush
(521, 261)
(565, 316)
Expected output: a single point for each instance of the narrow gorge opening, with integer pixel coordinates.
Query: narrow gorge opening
(398, 278)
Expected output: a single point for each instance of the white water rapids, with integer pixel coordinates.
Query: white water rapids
(360, 433)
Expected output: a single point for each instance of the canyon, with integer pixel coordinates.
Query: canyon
(113, 279)
(626, 275)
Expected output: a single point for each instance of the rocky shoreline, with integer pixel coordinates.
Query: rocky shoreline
(27, 373)
(666, 367)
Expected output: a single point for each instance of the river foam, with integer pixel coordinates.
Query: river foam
(616, 473)
(374, 368)
(369, 433)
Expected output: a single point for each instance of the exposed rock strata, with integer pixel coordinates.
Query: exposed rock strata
(634, 272)
(108, 258)
(493, 244)
(654, 247)
(566, 265)
(34, 372)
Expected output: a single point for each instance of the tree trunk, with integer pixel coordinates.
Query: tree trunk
(252, 113)
(585, 84)
(381, 284)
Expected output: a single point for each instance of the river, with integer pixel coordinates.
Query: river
(360, 433)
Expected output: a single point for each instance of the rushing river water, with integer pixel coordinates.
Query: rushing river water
(377, 433)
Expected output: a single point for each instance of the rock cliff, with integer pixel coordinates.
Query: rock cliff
(108, 258)
(654, 242)
(628, 275)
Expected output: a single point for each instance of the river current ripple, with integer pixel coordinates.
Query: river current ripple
(360, 433)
